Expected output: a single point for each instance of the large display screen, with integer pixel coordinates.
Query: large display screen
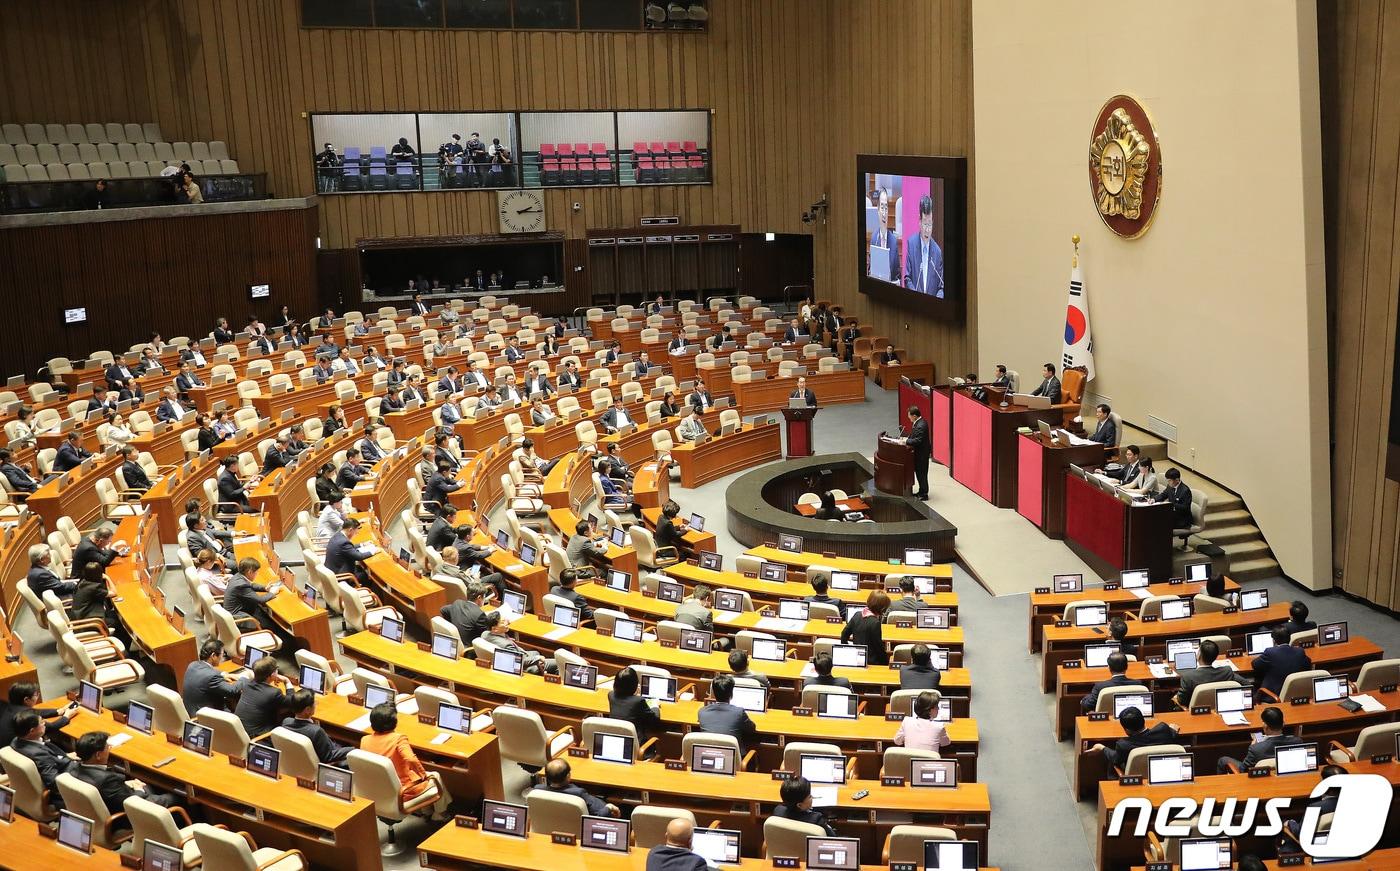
(911, 220)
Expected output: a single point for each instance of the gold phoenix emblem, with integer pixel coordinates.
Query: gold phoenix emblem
(1120, 155)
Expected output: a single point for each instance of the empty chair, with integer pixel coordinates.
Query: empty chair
(1136, 763)
(68, 153)
(108, 675)
(36, 172)
(784, 837)
(228, 167)
(78, 172)
(25, 153)
(230, 738)
(182, 151)
(1377, 674)
(1371, 741)
(15, 173)
(905, 843)
(235, 851)
(131, 133)
(170, 715)
(199, 150)
(522, 738)
(151, 822)
(101, 170)
(145, 151)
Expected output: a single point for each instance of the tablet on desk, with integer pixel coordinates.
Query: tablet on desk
(376, 695)
(504, 818)
(833, 854)
(712, 759)
(74, 831)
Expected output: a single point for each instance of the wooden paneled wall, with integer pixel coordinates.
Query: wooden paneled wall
(895, 78)
(1359, 56)
(172, 275)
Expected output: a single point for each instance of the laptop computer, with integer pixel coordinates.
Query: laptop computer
(712, 759)
(1172, 768)
(335, 782)
(833, 854)
(1295, 759)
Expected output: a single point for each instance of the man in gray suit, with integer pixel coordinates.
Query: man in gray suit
(1050, 387)
(205, 686)
(722, 718)
(1262, 749)
(1206, 672)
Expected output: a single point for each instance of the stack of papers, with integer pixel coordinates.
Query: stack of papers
(780, 624)
(1140, 593)
(359, 724)
(1368, 703)
(244, 539)
(118, 739)
(556, 634)
(480, 721)
(1234, 718)
(823, 795)
(1160, 669)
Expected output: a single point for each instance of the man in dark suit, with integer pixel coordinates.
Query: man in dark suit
(343, 557)
(193, 355)
(41, 577)
(132, 471)
(887, 356)
(1137, 736)
(71, 453)
(804, 393)
(467, 615)
(677, 344)
(538, 382)
(908, 601)
(16, 476)
(449, 383)
(616, 418)
(1128, 469)
(820, 586)
(1049, 386)
(882, 237)
(370, 451)
(278, 455)
(186, 380)
(1298, 618)
(1272, 667)
(170, 408)
(557, 779)
(302, 703)
(918, 439)
(419, 307)
(1118, 677)
(122, 380)
(231, 489)
(513, 352)
(716, 341)
(643, 365)
(222, 334)
(1273, 738)
(920, 673)
(262, 698)
(199, 537)
(654, 307)
(822, 665)
(701, 400)
(1179, 495)
(569, 377)
(352, 472)
(793, 332)
(1106, 433)
(24, 696)
(95, 548)
(614, 351)
(1118, 631)
(923, 265)
(723, 718)
(440, 486)
(1002, 379)
(95, 768)
(675, 854)
(1206, 672)
(246, 600)
(51, 761)
(508, 391)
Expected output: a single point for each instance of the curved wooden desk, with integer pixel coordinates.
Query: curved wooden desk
(771, 592)
(749, 446)
(942, 573)
(1046, 608)
(140, 604)
(25, 849)
(300, 620)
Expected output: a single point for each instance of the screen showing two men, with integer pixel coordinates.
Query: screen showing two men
(711, 759)
(905, 227)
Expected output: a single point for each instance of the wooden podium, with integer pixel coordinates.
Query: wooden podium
(799, 431)
(894, 467)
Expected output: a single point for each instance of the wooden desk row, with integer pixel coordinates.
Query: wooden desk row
(1062, 643)
(1208, 738)
(1046, 608)
(1120, 852)
(482, 688)
(942, 573)
(772, 592)
(1073, 684)
(309, 624)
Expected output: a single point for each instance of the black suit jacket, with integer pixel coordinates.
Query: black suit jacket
(467, 617)
(349, 476)
(50, 761)
(110, 783)
(20, 480)
(1272, 667)
(919, 440)
(231, 489)
(1091, 701)
(1049, 387)
(913, 677)
(136, 477)
(635, 710)
(342, 556)
(69, 457)
(1158, 734)
(668, 858)
(807, 396)
(610, 419)
(274, 459)
(1180, 498)
(326, 750)
(87, 552)
(205, 687)
(695, 401)
(7, 721)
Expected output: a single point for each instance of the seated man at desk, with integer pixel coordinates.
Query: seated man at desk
(723, 718)
(246, 600)
(1206, 672)
(97, 547)
(46, 756)
(808, 397)
(1128, 469)
(513, 352)
(697, 611)
(822, 664)
(565, 590)
(71, 453)
(199, 537)
(1137, 735)
(42, 578)
(583, 546)
(616, 418)
(643, 366)
(508, 392)
(739, 668)
(1179, 495)
(537, 381)
(497, 634)
(920, 673)
(1118, 631)
(700, 399)
(278, 455)
(302, 703)
(1117, 677)
(205, 685)
(557, 778)
(570, 378)
(440, 486)
(692, 428)
(675, 854)
(1144, 480)
(1272, 667)
(1002, 379)
(888, 357)
(1298, 618)
(132, 472)
(1049, 387)
(540, 413)
(1106, 432)
(614, 351)
(232, 491)
(908, 601)
(17, 477)
(370, 451)
(24, 696)
(95, 768)
(352, 472)
(678, 345)
(1263, 747)
(343, 557)
(171, 409)
(467, 615)
(820, 586)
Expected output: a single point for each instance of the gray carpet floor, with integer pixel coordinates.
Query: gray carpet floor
(1036, 824)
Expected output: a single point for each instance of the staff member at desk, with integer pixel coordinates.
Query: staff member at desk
(1106, 433)
(1179, 495)
(1138, 735)
(675, 854)
(1002, 379)
(1050, 386)
(205, 686)
(804, 393)
(1145, 479)
(1128, 469)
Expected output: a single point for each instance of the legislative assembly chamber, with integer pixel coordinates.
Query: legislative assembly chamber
(669, 435)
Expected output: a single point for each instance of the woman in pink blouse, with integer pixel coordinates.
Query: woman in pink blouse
(921, 731)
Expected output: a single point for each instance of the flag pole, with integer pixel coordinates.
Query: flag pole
(1075, 240)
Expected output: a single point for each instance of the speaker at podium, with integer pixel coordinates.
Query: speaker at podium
(894, 466)
(799, 416)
